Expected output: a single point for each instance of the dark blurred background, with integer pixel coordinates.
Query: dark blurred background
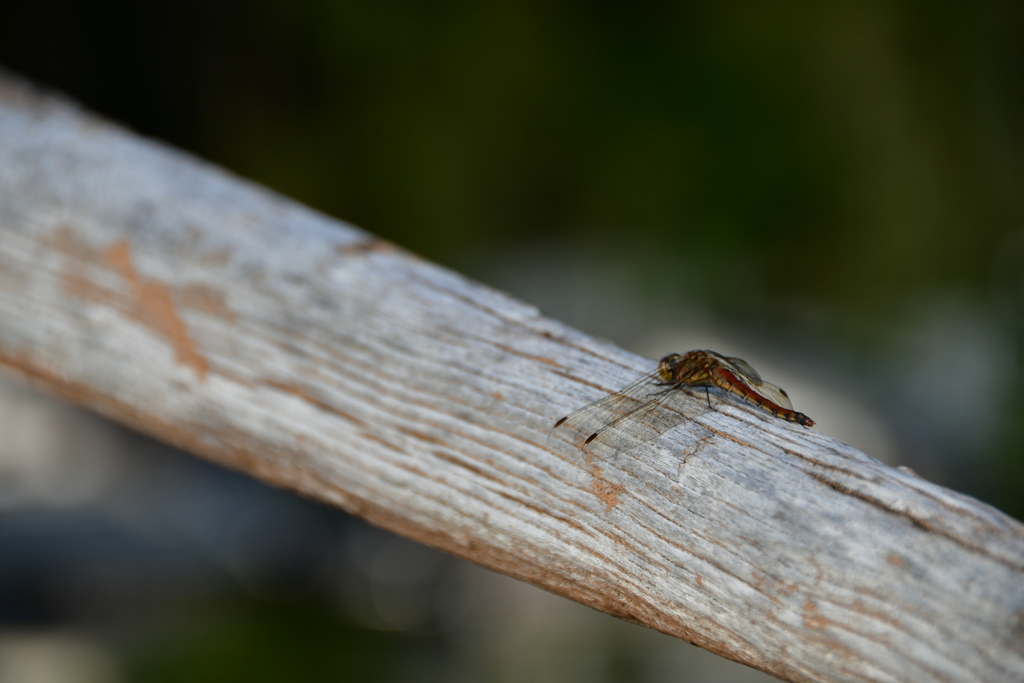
(831, 190)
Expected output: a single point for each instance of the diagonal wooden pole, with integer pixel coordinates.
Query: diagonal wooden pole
(206, 311)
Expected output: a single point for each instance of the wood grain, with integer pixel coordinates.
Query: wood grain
(176, 298)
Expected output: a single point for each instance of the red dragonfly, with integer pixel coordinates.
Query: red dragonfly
(682, 388)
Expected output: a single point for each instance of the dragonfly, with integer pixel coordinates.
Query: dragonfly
(683, 387)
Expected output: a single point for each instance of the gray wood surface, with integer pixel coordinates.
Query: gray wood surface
(206, 311)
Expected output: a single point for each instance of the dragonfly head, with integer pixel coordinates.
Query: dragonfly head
(667, 366)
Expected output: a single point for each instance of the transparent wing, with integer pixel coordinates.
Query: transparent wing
(767, 389)
(743, 366)
(576, 427)
(770, 392)
(634, 415)
(670, 408)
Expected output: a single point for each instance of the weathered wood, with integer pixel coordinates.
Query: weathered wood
(215, 315)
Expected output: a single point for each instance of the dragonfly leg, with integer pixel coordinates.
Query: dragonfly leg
(707, 395)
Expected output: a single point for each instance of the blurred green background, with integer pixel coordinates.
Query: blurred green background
(825, 162)
(838, 183)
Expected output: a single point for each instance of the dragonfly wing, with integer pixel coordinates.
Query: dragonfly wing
(744, 367)
(574, 429)
(667, 409)
(754, 381)
(771, 392)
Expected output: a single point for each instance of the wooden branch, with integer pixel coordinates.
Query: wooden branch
(215, 315)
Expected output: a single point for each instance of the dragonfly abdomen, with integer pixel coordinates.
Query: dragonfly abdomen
(729, 382)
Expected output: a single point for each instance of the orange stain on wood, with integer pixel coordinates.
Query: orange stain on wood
(606, 493)
(895, 560)
(154, 307)
(206, 300)
(147, 301)
(812, 617)
(65, 241)
(75, 283)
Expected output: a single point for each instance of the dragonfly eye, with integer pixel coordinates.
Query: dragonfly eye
(667, 366)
